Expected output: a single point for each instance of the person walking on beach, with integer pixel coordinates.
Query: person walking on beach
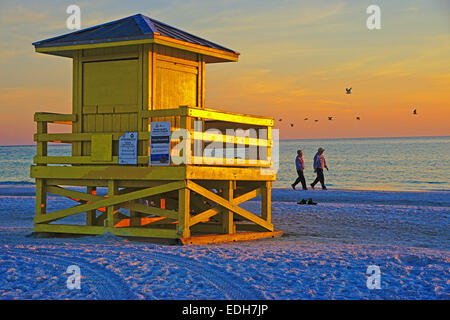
(300, 166)
(319, 165)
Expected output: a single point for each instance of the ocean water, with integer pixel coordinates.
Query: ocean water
(373, 164)
(409, 164)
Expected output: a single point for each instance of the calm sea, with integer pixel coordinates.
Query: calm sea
(373, 164)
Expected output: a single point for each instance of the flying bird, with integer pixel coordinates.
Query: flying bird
(316, 120)
(415, 111)
(292, 124)
(330, 118)
(349, 90)
(357, 118)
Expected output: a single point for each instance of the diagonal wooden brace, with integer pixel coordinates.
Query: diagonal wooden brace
(205, 215)
(151, 210)
(105, 202)
(228, 205)
(74, 195)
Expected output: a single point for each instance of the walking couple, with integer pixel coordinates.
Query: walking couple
(319, 165)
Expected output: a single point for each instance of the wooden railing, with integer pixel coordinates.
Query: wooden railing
(42, 138)
(185, 117)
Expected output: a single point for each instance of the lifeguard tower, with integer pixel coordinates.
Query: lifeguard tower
(131, 76)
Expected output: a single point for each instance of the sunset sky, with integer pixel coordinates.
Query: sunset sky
(297, 58)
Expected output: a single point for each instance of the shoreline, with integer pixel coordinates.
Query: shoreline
(318, 189)
(21, 184)
(331, 196)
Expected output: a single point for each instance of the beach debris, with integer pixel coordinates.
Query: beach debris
(280, 119)
(316, 120)
(303, 201)
(305, 119)
(292, 124)
(358, 118)
(348, 90)
(310, 201)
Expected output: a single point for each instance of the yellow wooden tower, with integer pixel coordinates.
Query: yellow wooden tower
(132, 79)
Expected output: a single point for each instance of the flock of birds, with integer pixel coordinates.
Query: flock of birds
(347, 91)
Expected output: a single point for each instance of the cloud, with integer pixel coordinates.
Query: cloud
(19, 15)
(284, 16)
(27, 100)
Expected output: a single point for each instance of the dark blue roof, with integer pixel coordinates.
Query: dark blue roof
(135, 27)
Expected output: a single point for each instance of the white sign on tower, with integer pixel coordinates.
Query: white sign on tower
(128, 148)
(160, 143)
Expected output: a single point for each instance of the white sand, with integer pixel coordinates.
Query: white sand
(324, 254)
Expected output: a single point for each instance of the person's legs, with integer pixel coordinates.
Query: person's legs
(317, 179)
(302, 179)
(321, 179)
(299, 178)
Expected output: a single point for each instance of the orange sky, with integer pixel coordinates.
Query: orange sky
(297, 58)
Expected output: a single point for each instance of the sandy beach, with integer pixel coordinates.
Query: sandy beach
(324, 253)
(233, 155)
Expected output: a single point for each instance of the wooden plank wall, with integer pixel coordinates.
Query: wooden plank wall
(178, 79)
(111, 85)
(109, 91)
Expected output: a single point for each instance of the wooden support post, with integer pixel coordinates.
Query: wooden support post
(112, 191)
(186, 123)
(266, 201)
(135, 220)
(41, 146)
(91, 214)
(77, 103)
(41, 197)
(183, 213)
(228, 226)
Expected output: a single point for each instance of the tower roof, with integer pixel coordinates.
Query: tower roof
(134, 29)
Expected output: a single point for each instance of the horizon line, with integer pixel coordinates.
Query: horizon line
(343, 138)
(349, 138)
